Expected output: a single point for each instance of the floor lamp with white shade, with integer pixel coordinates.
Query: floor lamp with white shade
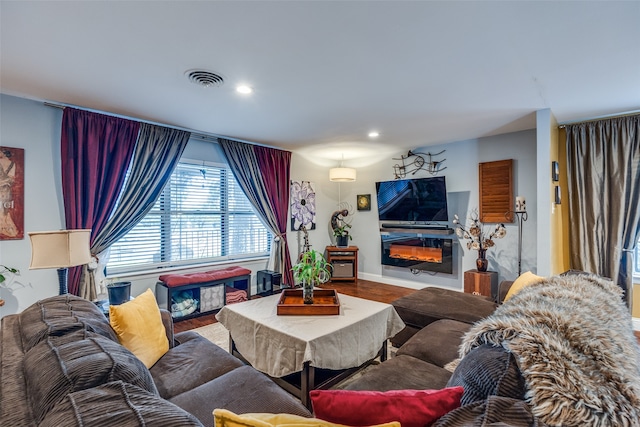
(60, 249)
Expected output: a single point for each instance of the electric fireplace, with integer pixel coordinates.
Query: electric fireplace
(417, 252)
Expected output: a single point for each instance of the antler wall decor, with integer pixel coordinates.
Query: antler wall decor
(418, 163)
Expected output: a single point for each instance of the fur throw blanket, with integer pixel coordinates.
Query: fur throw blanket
(573, 339)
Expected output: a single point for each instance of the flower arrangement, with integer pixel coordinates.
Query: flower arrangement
(478, 238)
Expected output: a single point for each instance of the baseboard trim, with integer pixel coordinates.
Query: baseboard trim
(636, 323)
(398, 282)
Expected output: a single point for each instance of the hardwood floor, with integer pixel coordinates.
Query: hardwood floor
(363, 289)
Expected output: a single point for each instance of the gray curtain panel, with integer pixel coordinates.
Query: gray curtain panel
(245, 168)
(156, 155)
(604, 197)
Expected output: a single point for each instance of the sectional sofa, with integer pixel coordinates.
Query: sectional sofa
(61, 364)
(560, 351)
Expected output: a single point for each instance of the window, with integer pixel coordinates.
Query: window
(201, 216)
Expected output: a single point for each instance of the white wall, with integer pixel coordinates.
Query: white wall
(546, 124)
(35, 128)
(462, 187)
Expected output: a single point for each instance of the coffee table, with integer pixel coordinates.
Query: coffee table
(283, 345)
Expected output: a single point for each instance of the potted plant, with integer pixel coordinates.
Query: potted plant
(312, 269)
(5, 269)
(342, 235)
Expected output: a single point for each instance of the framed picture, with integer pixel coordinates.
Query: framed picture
(11, 193)
(555, 171)
(303, 205)
(364, 202)
(558, 195)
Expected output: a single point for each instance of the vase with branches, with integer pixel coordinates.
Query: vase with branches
(480, 238)
(311, 270)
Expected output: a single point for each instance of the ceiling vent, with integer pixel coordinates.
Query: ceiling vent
(205, 78)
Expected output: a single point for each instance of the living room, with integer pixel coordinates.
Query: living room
(389, 90)
(523, 136)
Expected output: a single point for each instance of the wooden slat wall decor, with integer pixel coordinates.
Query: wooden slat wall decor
(496, 190)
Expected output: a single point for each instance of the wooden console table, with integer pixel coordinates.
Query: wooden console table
(344, 263)
(483, 283)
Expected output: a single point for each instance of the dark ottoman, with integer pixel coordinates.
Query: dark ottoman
(428, 305)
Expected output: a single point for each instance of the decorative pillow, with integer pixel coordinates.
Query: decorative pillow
(224, 418)
(117, 404)
(412, 408)
(52, 371)
(524, 280)
(139, 327)
(488, 371)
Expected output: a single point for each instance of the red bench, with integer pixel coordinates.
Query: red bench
(208, 287)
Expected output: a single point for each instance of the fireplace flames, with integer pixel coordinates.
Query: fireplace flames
(416, 253)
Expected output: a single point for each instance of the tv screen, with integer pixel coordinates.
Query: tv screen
(421, 200)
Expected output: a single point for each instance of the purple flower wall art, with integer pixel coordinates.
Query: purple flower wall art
(303, 205)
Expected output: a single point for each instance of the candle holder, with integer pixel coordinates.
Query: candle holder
(521, 216)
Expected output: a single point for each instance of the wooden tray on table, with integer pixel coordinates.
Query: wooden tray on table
(325, 302)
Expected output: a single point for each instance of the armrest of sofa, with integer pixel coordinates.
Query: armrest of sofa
(503, 288)
(167, 321)
(183, 337)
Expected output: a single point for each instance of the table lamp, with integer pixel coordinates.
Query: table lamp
(60, 249)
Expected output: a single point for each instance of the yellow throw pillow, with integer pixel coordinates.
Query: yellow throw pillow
(224, 418)
(525, 279)
(139, 327)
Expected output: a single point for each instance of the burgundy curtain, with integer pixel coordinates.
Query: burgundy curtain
(274, 166)
(96, 150)
(263, 175)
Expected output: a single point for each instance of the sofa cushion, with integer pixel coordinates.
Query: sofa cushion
(173, 280)
(117, 404)
(60, 315)
(241, 390)
(494, 411)
(437, 342)
(192, 363)
(430, 304)
(224, 418)
(139, 326)
(488, 371)
(401, 372)
(412, 408)
(51, 372)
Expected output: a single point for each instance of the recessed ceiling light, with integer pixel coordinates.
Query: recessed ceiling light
(374, 134)
(244, 89)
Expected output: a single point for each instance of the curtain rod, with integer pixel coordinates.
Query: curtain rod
(595, 119)
(203, 136)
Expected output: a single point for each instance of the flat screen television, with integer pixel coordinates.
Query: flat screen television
(415, 200)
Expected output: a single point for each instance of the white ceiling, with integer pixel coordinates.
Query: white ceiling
(326, 73)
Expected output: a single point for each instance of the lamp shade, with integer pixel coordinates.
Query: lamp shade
(342, 174)
(59, 249)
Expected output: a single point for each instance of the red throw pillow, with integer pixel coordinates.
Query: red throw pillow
(412, 408)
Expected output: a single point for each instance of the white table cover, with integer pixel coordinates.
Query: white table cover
(279, 345)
